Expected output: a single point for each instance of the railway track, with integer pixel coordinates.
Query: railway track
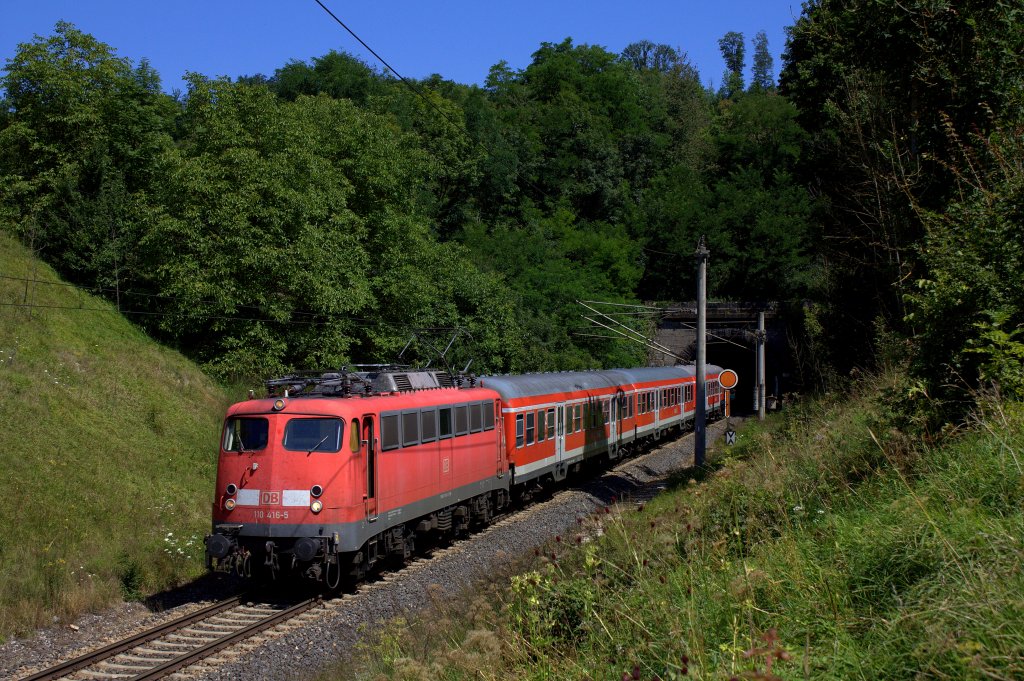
(174, 645)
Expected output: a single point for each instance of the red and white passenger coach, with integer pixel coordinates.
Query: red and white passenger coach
(333, 472)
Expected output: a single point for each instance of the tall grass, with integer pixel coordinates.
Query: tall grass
(107, 450)
(824, 546)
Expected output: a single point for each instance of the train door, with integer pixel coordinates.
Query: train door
(620, 415)
(370, 462)
(560, 432)
(499, 436)
(613, 421)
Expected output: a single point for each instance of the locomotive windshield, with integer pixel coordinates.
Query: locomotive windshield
(245, 434)
(313, 435)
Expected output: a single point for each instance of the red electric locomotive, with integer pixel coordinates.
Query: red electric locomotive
(335, 471)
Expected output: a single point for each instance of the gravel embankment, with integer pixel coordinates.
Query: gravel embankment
(311, 642)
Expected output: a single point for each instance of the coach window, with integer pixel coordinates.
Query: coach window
(519, 430)
(389, 431)
(606, 410)
(444, 423)
(577, 419)
(488, 411)
(530, 420)
(245, 434)
(551, 423)
(312, 435)
(410, 428)
(461, 419)
(428, 425)
(476, 421)
(541, 430)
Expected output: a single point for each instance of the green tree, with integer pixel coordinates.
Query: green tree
(888, 91)
(763, 76)
(83, 139)
(734, 53)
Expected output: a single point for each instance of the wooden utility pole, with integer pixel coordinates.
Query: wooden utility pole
(699, 421)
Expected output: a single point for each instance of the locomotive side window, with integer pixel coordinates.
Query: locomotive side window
(389, 431)
(444, 422)
(476, 419)
(354, 440)
(530, 420)
(410, 428)
(519, 430)
(428, 425)
(462, 419)
(542, 431)
(489, 415)
(245, 434)
(313, 435)
(551, 422)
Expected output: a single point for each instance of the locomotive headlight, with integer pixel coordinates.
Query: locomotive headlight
(278, 404)
(316, 506)
(231, 489)
(316, 490)
(229, 504)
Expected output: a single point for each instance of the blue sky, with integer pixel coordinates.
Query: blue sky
(458, 39)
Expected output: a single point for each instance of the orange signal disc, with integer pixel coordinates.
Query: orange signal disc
(728, 379)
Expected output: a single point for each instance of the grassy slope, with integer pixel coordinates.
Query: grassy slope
(107, 446)
(826, 547)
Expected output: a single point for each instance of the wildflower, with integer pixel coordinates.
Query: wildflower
(640, 508)
(558, 538)
(645, 562)
(661, 578)
(797, 508)
(536, 552)
(636, 672)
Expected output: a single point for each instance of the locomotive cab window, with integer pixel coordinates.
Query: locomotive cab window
(313, 435)
(354, 440)
(245, 434)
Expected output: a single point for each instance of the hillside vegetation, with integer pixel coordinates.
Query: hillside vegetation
(108, 452)
(823, 546)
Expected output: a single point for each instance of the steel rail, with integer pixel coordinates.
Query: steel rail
(113, 649)
(194, 656)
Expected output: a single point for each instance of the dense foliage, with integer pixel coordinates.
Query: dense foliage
(914, 114)
(328, 213)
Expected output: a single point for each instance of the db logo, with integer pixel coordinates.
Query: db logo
(268, 498)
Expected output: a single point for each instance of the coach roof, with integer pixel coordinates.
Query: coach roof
(532, 385)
